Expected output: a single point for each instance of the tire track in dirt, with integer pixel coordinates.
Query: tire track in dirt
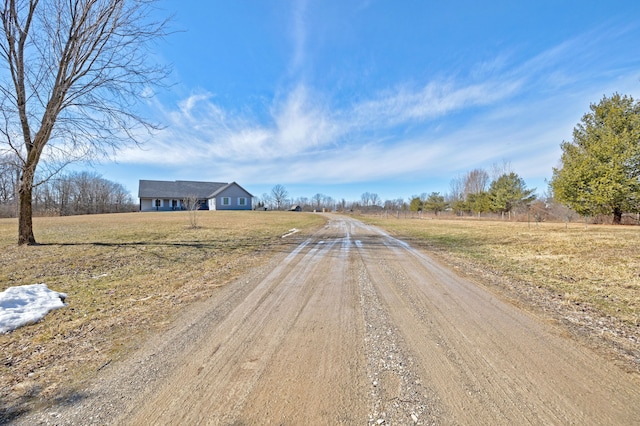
(281, 355)
(317, 374)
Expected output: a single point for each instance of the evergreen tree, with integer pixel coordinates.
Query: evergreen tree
(416, 204)
(435, 203)
(600, 168)
(509, 191)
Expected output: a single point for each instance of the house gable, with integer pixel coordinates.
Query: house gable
(230, 197)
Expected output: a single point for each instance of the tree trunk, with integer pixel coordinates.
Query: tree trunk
(617, 216)
(25, 222)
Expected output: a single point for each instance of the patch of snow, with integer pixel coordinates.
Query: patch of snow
(291, 232)
(27, 304)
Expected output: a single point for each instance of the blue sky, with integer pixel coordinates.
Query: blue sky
(391, 97)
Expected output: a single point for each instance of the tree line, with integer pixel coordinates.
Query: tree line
(473, 193)
(70, 194)
(279, 199)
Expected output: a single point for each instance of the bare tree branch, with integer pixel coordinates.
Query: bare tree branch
(74, 71)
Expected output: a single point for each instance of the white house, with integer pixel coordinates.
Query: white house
(159, 195)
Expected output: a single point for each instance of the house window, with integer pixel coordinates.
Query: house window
(242, 201)
(226, 201)
(174, 204)
(158, 203)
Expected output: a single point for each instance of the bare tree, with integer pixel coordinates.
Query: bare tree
(329, 202)
(498, 170)
(456, 195)
(8, 181)
(279, 195)
(266, 201)
(9, 173)
(191, 203)
(317, 199)
(476, 181)
(375, 199)
(73, 71)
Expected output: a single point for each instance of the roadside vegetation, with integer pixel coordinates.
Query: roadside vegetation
(125, 275)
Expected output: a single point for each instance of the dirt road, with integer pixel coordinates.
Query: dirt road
(355, 327)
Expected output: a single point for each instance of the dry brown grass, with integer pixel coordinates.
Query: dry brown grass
(125, 275)
(596, 266)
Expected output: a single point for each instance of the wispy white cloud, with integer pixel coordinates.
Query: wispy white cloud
(309, 136)
(434, 100)
(298, 35)
(301, 124)
(200, 130)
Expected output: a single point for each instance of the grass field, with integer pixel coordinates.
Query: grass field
(124, 275)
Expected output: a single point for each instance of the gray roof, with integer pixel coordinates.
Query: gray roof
(177, 189)
(224, 188)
